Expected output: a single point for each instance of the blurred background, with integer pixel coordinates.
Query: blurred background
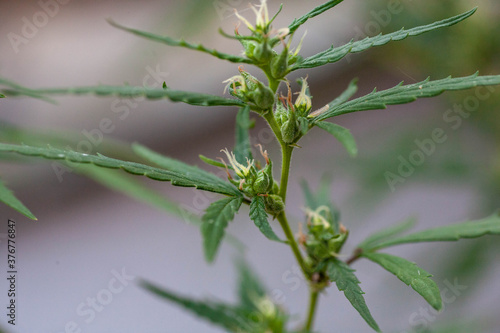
(86, 233)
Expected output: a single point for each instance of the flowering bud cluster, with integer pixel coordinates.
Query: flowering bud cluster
(252, 181)
(322, 240)
(287, 115)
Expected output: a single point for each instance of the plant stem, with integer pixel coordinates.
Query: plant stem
(286, 152)
(313, 302)
(293, 244)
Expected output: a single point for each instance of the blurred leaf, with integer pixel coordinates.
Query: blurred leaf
(334, 54)
(182, 43)
(250, 287)
(189, 171)
(242, 148)
(471, 229)
(124, 184)
(410, 274)
(387, 233)
(315, 12)
(121, 91)
(226, 316)
(402, 94)
(176, 179)
(8, 198)
(340, 273)
(342, 134)
(259, 217)
(215, 221)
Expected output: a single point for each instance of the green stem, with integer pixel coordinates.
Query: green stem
(293, 244)
(313, 302)
(286, 159)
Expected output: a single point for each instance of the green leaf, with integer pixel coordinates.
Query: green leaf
(342, 134)
(250, 287)
(259, 217)
(371, 241)
(8, 198)
(242, 149)
(2, 96)
(212, 162)
(226, 316)
(71, 157)
(334, 54)
(215, 221)
(124, 184)
(340, 273)
(315, 12)
(470, 229)
(182, 43)
(121, 91)
(192, 172)
(402, 94)
(410, 274)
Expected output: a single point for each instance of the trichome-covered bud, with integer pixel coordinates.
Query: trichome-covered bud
(290, 129)
(264, 181)
(274, 204)
(279, 64)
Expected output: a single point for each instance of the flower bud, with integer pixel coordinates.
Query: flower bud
(289, 129)
(263, 52)
(263, 184)
(274, 204)
(279, 64)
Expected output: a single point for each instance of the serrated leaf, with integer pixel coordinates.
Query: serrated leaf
(342, 134)
(223, 315)
(8, 198)
(242, 148)
(470, 229)
(315, 12)
(192, 98)
(177, 179)
(340, 273)
(216, 218)
(387, 233)
(410, 274)
(259, 216)
(182, 43)
(189, 171)
(402, 94)
(334, 54)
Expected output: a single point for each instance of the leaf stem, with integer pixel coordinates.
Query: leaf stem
(313, 302)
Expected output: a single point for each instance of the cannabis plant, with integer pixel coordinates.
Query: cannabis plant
(250, 169)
